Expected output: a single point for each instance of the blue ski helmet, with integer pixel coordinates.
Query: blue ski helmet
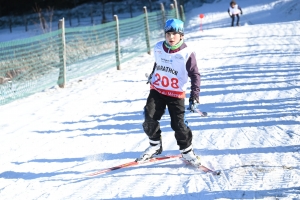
(174, 25)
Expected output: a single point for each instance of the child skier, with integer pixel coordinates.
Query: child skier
(174, 63)
(234, 11)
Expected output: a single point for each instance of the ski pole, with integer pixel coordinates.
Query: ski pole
(203, 114)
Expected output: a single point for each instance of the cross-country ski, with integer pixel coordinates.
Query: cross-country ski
(81, 141)
(151, 160)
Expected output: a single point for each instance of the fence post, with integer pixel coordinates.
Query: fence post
(117, 43)
(172, 9)
(176, 9)
(172, 6)
(182, 13)
(163, 14)
(147, 31)
(62, 55)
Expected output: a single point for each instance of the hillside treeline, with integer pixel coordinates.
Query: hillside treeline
(21, 7)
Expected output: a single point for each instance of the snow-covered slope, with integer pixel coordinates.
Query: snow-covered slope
(250, 88)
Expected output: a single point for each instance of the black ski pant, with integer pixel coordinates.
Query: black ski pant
(237, 19)
(154, 110)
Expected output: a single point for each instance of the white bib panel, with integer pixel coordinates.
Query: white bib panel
(170, 76)
(235, 10)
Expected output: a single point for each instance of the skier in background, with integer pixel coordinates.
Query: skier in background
(234, 11)
(174, 63)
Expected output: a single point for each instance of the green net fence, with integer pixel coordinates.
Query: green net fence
(34, 64)
(29, 65)
(90, 50)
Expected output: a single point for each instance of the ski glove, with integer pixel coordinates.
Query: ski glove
(193, 103)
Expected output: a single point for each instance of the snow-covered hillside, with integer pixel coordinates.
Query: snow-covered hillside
(250, 88)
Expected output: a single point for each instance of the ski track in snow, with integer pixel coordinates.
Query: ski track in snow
(50, 141)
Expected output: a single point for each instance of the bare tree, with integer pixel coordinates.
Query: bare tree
(78, 17)
(70, 16)
(50, 12)
(10, 23)
(25, 22)
(103, 2)
(75, 3)
(150, 5)
(113, 9)
(38, 10)
(182, 2)
(92, 15)
(129, 4)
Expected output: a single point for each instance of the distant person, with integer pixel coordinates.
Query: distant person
(234, 11)
(174, 63)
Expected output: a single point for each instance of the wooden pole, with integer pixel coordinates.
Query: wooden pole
(182, 13)
(117, 43)
(147, 31)
(62, 69)
(163, 13)
(176, 9)
(172, 9)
